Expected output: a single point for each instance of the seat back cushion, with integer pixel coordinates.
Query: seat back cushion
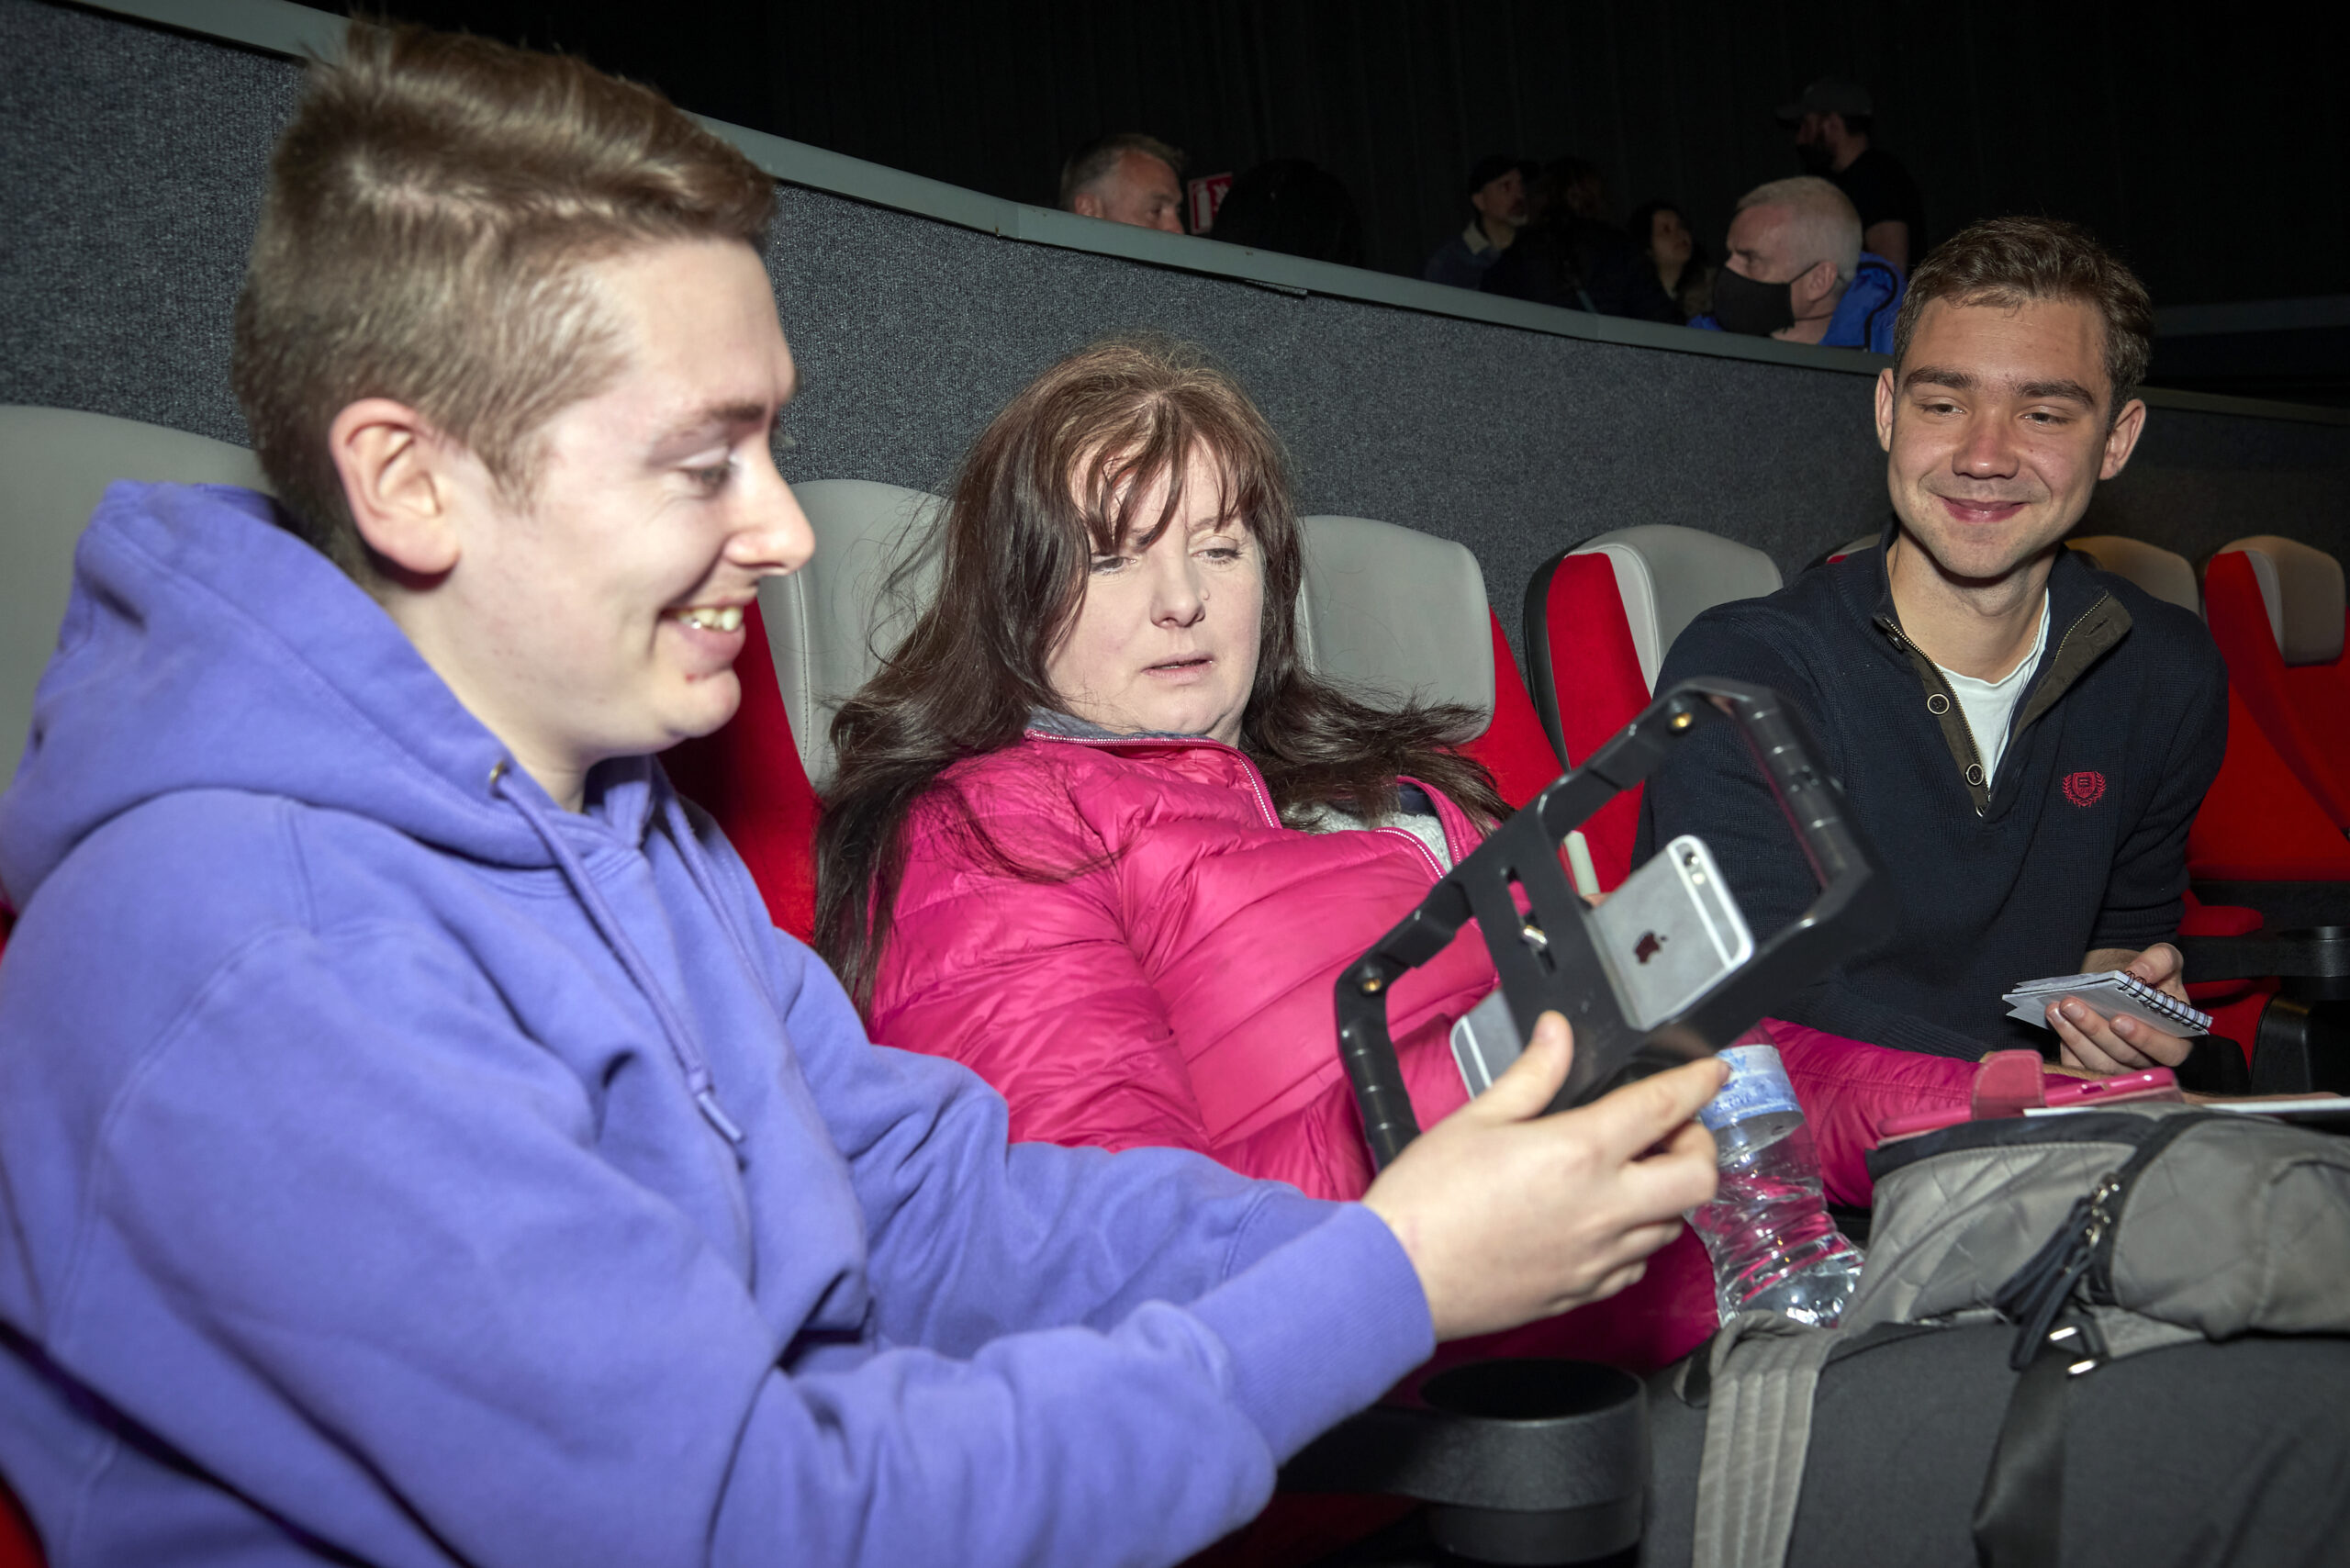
(1668, 576)
(2302, 590)
(1394, 615)
(2258, 822)
(1599, 622)
(54, 465)
(749, 775)
(830, 623)
(2162, 572)
(2298, 710)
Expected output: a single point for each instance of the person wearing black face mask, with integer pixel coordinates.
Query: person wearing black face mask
(1796, 272)
(1832, 123)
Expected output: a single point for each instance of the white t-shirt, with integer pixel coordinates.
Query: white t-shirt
(1989, 703)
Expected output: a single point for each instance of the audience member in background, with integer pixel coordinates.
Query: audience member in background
(1683, 269)
(1497, 211)
(2024, 739)
(1796, 272)
(1571, 256)
(1832, 121)
(1126, 178)
(1295, 207)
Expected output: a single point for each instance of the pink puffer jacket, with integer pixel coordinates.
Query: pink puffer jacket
(1175, 990)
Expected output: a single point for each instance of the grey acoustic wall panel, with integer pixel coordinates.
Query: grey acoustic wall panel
(131, 175)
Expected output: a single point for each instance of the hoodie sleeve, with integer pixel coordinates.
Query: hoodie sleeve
(352, 1249)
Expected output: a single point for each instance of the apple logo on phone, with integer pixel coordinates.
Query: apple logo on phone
(1647, 946)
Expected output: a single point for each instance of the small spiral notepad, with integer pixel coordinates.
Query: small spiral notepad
(2115, 993)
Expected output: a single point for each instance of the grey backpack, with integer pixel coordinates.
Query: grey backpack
(2099, 1235)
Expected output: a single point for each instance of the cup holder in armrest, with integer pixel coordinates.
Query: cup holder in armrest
(1525, 1461)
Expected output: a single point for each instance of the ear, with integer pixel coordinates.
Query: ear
(393, 480)
(1089, 204)
(1820, 281)
(1884, 409)
(2123, 439)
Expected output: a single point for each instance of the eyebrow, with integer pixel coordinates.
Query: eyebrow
(718, 415)
(1963, 381)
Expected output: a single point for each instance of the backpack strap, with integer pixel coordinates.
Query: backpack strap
(1763, 1368)
(2019, 1518)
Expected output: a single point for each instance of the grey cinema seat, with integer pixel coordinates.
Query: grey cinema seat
(2162, 572)
(55, 465)
(1667, 576)
(1395, 614)
(830, 623)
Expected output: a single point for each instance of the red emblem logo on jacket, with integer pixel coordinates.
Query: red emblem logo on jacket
(2085, 788)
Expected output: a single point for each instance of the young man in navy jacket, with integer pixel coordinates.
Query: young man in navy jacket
(2023, 740)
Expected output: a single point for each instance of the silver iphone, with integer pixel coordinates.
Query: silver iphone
(1665, 937)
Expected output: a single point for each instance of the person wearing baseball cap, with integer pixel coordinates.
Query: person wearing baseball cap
(1497, 199)
(1832, 120)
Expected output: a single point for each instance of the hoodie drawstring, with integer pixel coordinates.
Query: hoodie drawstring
(689, 1055)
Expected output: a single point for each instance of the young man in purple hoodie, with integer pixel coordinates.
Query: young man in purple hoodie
(416, 1147)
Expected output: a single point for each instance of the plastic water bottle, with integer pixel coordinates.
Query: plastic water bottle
(1773, 1246)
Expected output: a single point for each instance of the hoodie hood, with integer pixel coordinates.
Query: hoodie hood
(206, 647)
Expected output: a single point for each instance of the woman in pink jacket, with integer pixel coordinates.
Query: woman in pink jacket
(1099, 834)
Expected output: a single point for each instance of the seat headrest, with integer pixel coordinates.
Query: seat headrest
(2161, 572)
(830, 623)
(2302, 590)
(55, 465)
(1669, 575)
(1396, 614)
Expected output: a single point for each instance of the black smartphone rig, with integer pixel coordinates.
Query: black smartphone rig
(1547, 955)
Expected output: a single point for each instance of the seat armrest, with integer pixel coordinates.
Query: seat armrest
(2319, 955)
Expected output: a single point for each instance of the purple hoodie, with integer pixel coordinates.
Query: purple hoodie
(395, 1167)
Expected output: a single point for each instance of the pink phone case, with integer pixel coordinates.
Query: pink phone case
(2153, 1083)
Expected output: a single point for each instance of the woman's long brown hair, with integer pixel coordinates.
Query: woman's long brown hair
(1057, 478)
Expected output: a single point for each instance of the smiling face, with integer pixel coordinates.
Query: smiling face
(1997, 431)
(1166, 637)
(602, 617)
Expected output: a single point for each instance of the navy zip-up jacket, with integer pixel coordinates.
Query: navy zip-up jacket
(2079, 843)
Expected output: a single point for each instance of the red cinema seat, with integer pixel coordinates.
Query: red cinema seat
(815, 637)
(1600, 619)
(20, 1547)
(2276, 610)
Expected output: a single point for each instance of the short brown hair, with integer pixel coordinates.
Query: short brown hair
(2003, 262)
(429, 216)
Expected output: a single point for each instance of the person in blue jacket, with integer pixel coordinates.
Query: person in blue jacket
(1796, 272)
(415, 1145)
